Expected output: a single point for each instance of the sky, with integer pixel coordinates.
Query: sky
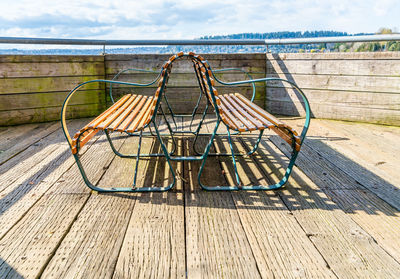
(155, 19)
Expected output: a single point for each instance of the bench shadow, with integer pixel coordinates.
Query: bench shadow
(292, 110)
(303, 191)
(266, 166)
(8, 271)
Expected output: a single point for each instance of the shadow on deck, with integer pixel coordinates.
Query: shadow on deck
(338, 216)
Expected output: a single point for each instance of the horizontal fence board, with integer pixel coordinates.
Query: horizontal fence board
(53, 99)
(335, 56)
(374, 100)
(46, 69)
(114, 67)
(346, 86)
(188, 93)
(334, 67)
(208, 57)
(47, 84)
(50, 58)
(15, 117)
(335, 82)
(33, 88)
(339, 112)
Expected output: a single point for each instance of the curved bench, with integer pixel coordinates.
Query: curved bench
(133, 113)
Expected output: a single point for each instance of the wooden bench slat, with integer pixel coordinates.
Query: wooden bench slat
(122, 127)
(254, 121)
(251, 111)
(229, 119)
(260, 111)
(103, 125)
(126, 112)
(239, 117)
(135, 123)
(109, 111)
(146, 118)
(95, 119)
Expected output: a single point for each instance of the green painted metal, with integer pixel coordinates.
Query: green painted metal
(201, 156)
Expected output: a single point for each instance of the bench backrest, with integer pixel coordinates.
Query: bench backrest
(204, 75)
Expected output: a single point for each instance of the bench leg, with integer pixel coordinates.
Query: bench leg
(134, 188)
(241, 187)
(206, 151)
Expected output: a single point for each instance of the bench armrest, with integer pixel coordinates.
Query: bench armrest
(229, 83)
(73, 91)
(134, 70)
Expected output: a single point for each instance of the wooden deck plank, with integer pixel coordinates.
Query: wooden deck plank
(373, 214)
(30, 244)
(154, 245)
(270, 226)
(110, 211)
(26, 161)
(349, 250)
(86, 251)
(317, 226)
(20, 193)
(366, 152)
(18, 139)
(217, 246)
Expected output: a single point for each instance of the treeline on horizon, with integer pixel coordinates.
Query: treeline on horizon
(392, 46)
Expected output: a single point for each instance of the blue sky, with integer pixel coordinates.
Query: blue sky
(154, 19)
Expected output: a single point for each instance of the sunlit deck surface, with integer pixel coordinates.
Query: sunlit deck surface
(338, 216)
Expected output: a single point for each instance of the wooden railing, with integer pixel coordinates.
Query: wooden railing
(348, 86)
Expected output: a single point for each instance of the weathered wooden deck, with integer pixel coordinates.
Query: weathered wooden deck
(337, 217)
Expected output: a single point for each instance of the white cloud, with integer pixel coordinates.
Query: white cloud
(157, 19)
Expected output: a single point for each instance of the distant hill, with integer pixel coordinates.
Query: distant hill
(205, 49)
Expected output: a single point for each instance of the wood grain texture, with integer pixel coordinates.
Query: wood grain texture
(348, 249)
(19, 193)
(33, 88)
(182, 84)
(16, 140)
(87, 251)
(217, 246)
(346, 86)
(336, 56)
(269, 225)
(324, 223)
(27, 81)
(154, 245)
(21, 116)
(50, 219)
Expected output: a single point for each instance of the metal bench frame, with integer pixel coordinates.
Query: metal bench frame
(206, 83)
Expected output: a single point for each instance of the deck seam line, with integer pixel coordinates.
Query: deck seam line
(184, 186)
(323, 189)
(45, 264)
(19, 152)
(283, 202)
(237, 212)
(26, 212)
(351, 176)
(129, 220)
(365, 189)
(126, 228)
(89, 195)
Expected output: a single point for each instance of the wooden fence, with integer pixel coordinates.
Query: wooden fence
(32, 88)
(346, 86)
